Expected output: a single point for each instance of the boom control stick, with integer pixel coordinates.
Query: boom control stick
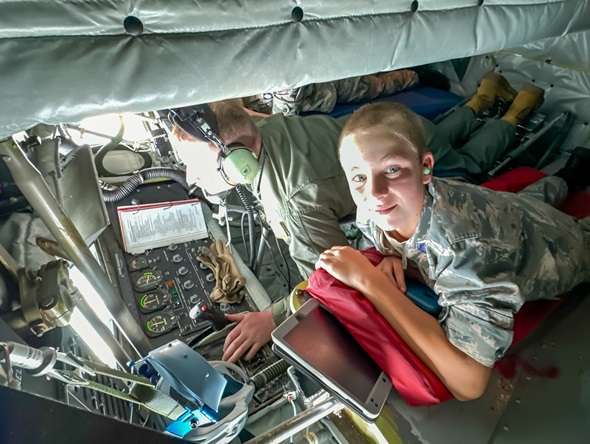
(204, 312)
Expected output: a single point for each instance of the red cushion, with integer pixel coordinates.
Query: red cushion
(577, 205)
(413, 380)
(514, 180)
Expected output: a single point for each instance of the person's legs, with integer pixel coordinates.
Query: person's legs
(456, 127)
(487, 145)
(444, 137)
(460, 124)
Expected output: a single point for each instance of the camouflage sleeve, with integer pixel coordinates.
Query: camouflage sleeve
(479, 298)
(480, 338)
(320, 97)
(551, 189)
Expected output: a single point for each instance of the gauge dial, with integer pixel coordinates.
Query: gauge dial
(160, 324)
(153, 301)
(147, 280)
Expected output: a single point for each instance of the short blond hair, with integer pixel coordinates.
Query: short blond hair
(395, 118)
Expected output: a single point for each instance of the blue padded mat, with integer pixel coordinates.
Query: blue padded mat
(424, 100)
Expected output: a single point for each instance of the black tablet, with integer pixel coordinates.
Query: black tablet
(317, 344)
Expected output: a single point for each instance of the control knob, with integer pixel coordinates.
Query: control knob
(203, 312)
(177, 258)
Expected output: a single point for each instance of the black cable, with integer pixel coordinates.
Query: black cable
(285, 262)
(115, 140)
(243, 233)
(136, 180)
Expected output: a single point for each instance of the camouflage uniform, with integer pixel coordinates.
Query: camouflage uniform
(302, 187)
(323, 97)
(486, 253)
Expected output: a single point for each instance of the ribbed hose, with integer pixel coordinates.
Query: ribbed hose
(177, 176)
(247, 203)
(271, 372)
(136, 180)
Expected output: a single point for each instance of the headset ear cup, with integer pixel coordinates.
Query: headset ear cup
(240, 166)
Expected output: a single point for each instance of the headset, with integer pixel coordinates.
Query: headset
(237, 165)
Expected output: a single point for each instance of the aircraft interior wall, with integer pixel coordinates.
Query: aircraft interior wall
(169, 54)
(561, 66)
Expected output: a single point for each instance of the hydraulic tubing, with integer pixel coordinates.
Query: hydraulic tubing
(284, 431)
(137, 179)
(261, 249)
(37, 193)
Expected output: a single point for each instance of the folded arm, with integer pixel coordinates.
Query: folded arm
(465, 377)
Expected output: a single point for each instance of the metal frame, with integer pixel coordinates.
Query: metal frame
(36, 191)
(326, 405)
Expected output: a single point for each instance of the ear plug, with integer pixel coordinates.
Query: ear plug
(427, 170)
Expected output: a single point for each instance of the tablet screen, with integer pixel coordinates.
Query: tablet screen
(325, 344)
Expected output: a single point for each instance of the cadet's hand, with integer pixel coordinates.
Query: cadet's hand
(348, 266)
(252, 331)
(393, 269)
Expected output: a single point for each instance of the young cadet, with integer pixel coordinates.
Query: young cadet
(484, 253)
(292, 164)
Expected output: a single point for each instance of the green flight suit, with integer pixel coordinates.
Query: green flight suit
(302, 187)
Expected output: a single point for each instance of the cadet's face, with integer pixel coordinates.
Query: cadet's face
(386, 179)
(200, 159)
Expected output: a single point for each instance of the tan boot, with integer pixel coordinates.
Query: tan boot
(491, 87)
(528, 99)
